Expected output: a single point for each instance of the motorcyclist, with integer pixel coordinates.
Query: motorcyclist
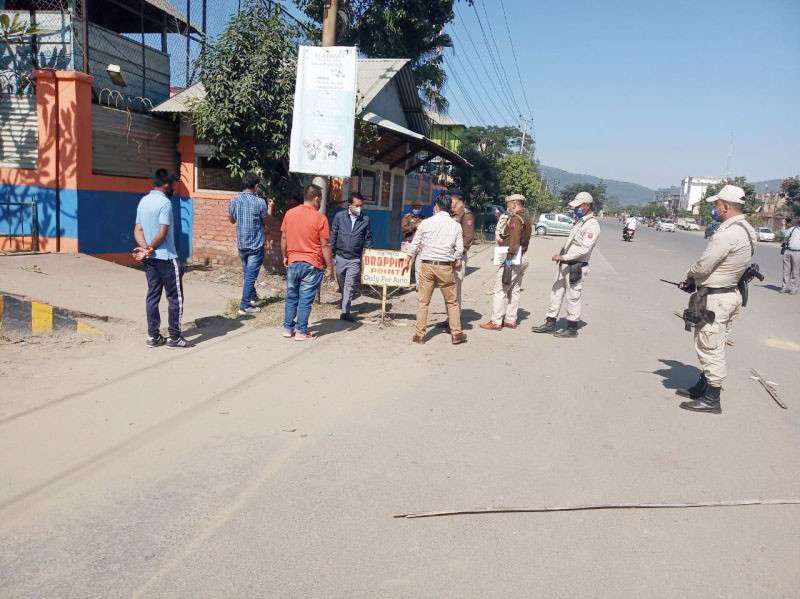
(629, 228)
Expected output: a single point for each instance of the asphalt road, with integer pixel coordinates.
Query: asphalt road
(255, 467)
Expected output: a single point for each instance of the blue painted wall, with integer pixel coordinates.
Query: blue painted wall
(16, 220)
(107, 219)
(380, 221)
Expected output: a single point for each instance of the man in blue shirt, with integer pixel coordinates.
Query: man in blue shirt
(154, 234)
(250, 214)
(350, 234)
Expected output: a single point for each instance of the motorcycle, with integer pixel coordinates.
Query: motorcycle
(627, 234)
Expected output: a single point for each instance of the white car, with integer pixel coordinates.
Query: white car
(765, 234)
(666, 225)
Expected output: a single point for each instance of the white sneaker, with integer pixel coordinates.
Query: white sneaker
(249, 310)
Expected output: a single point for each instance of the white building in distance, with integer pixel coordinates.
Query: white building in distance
(692, 191)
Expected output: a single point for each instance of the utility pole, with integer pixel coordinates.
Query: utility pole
(328, 39)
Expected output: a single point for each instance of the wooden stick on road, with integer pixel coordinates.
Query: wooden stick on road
(600, 506)
(770, 389)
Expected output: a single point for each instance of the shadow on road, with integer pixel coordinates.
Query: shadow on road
(770, 287)
(677, 375)
(210, 327)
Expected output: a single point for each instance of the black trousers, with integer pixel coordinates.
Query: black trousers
(166, 276)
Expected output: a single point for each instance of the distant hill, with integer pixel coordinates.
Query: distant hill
(624, 191)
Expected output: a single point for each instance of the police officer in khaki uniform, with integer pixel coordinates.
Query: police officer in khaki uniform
(464, 217)
(515, 235)
(718, 270)
(573, 268)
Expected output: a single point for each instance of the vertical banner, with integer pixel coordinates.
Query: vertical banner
(324, 111)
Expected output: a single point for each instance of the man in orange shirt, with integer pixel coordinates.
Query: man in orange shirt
(305, 242)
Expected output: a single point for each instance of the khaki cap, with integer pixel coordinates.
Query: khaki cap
(583, 197)
(515, 197)
(729, 193)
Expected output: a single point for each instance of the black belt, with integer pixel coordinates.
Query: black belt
(437, 263)
(791, 250)
(715, 290)
(571, 262)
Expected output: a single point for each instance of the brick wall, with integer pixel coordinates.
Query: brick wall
(214, 239)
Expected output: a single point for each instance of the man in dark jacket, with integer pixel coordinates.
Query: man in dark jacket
(350, 234)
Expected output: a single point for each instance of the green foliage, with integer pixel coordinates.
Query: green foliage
(598, 191)
(498, 169)
(791, 189)
(412, 29)
(15, 31)
(249, 77)
(751, 204)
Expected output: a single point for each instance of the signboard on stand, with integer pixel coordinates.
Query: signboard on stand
(384, 268)
(324, 111)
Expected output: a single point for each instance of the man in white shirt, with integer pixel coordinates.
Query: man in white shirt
(791, 258)
(440, 240)
(630, 224)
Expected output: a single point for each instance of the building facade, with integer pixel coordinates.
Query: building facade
(692, 191)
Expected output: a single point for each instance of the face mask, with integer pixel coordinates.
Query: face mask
(355, 211)
(715, 215)
(579, 213)
(416, 211)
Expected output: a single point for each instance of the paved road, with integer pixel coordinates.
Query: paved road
(133, 473)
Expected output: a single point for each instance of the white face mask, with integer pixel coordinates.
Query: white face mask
(355, 210)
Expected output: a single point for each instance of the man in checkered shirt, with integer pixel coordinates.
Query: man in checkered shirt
(250, 214)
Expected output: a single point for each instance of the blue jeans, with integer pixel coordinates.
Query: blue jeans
(302, 283)
(251, 264)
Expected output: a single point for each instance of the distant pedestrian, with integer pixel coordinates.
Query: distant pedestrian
(573, 268)
(508, 279)
(408, 226)
(351, 232)
(441, 243)
(154, 233)
(305, 244)
(250, 214)
(791, 258)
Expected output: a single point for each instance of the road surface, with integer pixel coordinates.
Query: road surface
(250, 466)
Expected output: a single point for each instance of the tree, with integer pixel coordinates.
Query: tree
(249, 78)
(598, 191)
(791, 189)
(751, 203)
(516, 176)
(412, 29)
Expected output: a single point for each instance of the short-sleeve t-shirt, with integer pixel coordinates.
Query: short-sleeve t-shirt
(154, 210)
(305, 229)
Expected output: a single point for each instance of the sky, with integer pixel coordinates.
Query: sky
(644, 91)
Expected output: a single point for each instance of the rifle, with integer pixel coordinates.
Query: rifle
(679, 285)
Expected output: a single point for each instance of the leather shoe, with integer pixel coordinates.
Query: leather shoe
(418, 339)
(347, 317)
(459, 339)
(696, 391)
(510, 325)
(549, 326)
(490, 326)
(709, 403)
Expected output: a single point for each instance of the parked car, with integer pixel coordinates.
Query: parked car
(666, 224)
(765, 234)
(489, 218)
(551, 223)
(687, 224)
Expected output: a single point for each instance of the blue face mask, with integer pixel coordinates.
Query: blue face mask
(579, 213)
(714, 215)
(416, 211)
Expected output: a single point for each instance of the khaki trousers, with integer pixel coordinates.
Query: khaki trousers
(791, 271)
(460, 274)
(710, 339)
(562, 287)
(430, 277)
(417, 259)
(505, 298)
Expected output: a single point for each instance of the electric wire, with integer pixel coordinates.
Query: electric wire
(516, 62)
(492, 114)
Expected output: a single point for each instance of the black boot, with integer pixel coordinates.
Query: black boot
(570, 331)
(549, 326)
(708, 403)
(695, 391)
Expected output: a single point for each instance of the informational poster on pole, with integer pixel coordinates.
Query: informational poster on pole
(324, 111)
(384, 268)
